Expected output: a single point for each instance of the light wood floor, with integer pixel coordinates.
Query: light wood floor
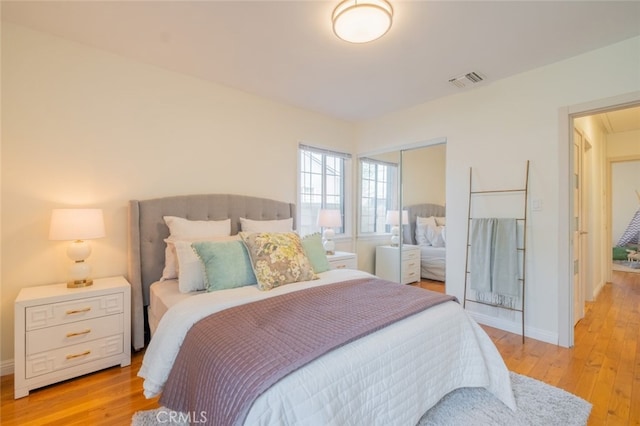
(603, 368)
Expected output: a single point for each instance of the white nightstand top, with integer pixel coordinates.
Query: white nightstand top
(340, 255)
(60, 292)
(404, 247)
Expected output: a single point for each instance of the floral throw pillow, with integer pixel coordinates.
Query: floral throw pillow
(277, 258)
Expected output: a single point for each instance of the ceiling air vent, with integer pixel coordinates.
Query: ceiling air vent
(466, 80)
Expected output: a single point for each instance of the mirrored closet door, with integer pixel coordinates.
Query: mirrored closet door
(422, 253)
(396, 188)
(378, 196)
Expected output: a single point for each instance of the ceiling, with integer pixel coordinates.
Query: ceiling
(621, 120)
(286, 50)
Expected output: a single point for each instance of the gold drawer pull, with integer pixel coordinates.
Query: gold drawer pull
(79, 333)
(78, 355)
(79, 311)
(341, 266)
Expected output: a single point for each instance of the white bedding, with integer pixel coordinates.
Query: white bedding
(433, 262)
(389, 377)
(162, 296)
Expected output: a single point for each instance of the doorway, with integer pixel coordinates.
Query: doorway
(598, 135)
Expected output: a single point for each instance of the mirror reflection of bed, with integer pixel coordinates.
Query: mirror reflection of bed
(423, 197)
(427, 230)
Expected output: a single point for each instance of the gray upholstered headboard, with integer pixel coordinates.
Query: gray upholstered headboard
(147, 231)
(422, 210)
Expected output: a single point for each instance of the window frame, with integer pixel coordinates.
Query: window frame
(391, 195)
(345, 196)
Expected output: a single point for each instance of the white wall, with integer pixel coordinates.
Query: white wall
(82, 127)
(623, 144)
(495, 129)
(423, 175)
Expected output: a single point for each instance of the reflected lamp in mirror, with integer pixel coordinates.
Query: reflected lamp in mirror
(393, 219)
(77, 225)
(329, 219)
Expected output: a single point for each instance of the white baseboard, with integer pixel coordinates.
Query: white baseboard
(6, 367)
(597, 290)
(514, 327)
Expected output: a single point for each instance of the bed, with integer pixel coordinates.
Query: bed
(390, 375)
(432, 253)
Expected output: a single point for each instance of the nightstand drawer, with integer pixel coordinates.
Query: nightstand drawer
(411, 263)
(343, 260)
(344, 264)
(70, 356)
(59, 336)
(411, 274)
(76, 310)
(390, 267)
(410, 254)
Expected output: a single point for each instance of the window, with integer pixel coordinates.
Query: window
(378, 180)
(322, 183)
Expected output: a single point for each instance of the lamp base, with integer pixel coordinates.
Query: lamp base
(80, 283)
(395, 236)
(329, 247)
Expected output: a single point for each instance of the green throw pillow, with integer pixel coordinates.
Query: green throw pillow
(620, 253)
(312, 245)
(226, 264)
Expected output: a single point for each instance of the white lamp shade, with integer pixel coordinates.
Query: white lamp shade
(76, 224)
(393, 217)
(328, 218)
(361, 21)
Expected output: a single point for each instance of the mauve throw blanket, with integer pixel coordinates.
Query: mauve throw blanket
(230, 358)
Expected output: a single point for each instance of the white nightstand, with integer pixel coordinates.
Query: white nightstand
(387, 260)
(343, 260)
(63, 332)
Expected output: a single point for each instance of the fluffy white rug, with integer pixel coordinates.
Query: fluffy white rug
(538, 404)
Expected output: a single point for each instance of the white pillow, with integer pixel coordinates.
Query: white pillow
(435, 234)
(441, 220)
(426, 221)
(422, 238)
(184, 228)
(170, 271)
(281, 225)
(190, 271)
(180, 228)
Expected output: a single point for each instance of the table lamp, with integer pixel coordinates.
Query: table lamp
(393, 219)
(77, 225)
(329, 219)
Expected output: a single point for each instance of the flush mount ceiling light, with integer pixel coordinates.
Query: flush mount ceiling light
(361, 21)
